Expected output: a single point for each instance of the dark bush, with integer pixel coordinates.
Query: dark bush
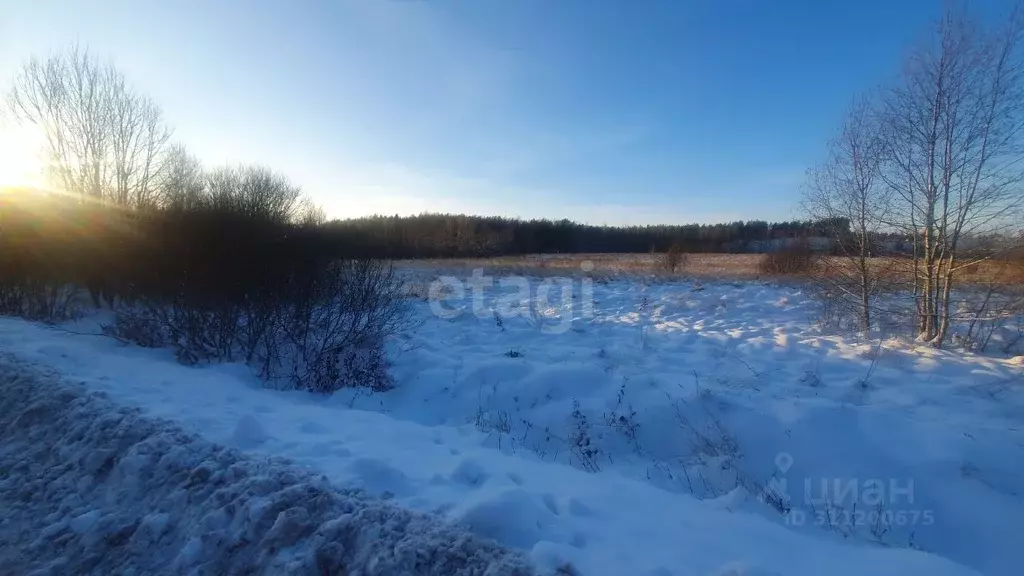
(218, 281)
(797, 260)
(48, 249)
(274, 295)
(674, 259)
(332, 333)
(138, 325)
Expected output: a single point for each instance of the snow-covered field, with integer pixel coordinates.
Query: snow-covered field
(668, 428)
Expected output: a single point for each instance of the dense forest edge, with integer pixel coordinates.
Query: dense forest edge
(462, 236)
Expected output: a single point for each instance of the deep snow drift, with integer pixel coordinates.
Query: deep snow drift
(678, 429)
(87, 487)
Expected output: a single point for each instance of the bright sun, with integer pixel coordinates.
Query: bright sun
(19, 161)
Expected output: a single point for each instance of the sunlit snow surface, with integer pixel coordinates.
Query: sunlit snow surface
(659, 435)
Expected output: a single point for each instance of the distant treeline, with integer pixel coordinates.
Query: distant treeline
(456, 235)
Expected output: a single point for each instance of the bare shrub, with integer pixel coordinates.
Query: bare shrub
(37, 300)
(235, 279)
(998, 327)
(41, 258)
(1010, 268)
(674, 259)
(971, 269)
(580, 440)
(990, 314)
(274, 297)
(798, 260)
(332, 332)
(138, 326)
(50, 303)
(203, 333)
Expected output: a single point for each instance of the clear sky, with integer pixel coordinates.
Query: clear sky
(604, 111)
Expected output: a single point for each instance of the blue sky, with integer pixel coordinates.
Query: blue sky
(618, 112)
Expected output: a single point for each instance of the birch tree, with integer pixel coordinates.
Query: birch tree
(846, 194)
(953, 152)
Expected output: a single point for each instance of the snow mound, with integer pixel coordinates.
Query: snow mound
(249, 432)
(88, 487)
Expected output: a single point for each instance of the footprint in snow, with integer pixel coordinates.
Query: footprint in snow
(550, 502)
(249, 432)
(312, 428)
(380, 477)
(577, 508)
(470, 473)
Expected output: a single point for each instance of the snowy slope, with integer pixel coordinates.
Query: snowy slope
(588, 446)
(88, 487)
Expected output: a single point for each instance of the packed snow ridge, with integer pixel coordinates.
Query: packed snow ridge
(88, 487)
(677, 428)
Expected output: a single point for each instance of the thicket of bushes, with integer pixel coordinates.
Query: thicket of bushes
(212, 281)
(674, 259)
(798, 260)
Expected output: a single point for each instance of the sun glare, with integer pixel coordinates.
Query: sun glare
(19, 161)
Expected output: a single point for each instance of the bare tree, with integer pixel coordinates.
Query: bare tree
(62, 96)
(310, 214)
(103, 140)
(181, 183)
(254, 191)
(954, 152)
(138, 144)
(847, 196)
